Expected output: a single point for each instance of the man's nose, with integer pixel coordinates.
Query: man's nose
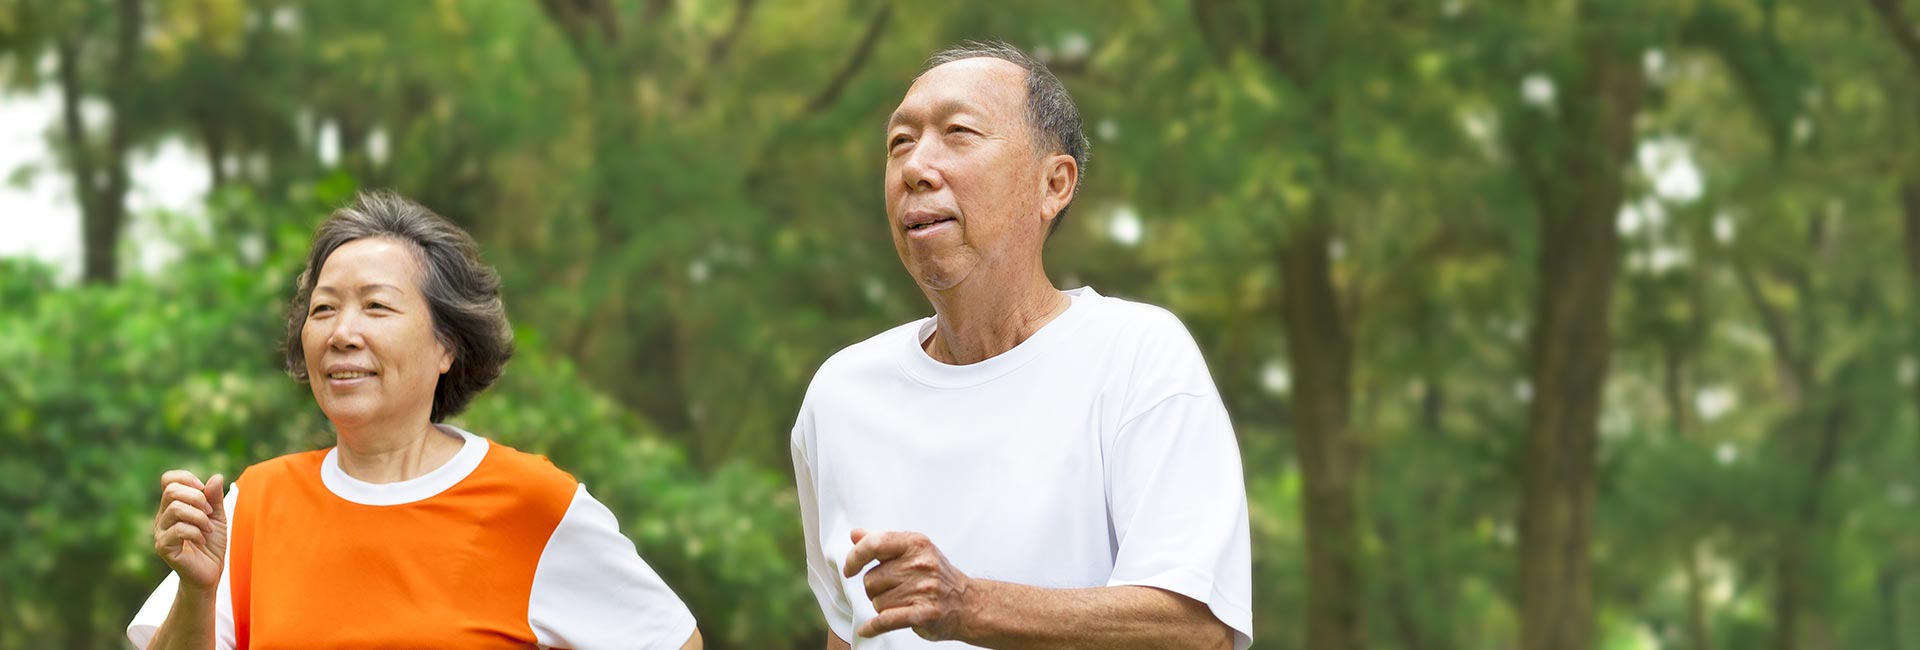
(918, 171)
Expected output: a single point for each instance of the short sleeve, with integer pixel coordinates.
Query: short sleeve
(153, 613)
(822, 573)
(1179, 507)
(591, 590)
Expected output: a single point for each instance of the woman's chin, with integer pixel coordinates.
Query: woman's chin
(349, 416)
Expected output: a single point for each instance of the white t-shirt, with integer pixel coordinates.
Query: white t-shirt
(1095, 453)
(590, 588)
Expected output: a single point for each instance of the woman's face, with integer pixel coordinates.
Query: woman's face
(372, 358)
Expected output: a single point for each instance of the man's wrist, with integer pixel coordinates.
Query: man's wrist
(978, 614)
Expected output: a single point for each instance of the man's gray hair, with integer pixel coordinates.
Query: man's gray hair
(462, 293)
(1053, 118)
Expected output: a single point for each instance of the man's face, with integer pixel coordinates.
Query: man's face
(964, 186)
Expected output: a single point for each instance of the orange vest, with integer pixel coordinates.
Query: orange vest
(312, 570)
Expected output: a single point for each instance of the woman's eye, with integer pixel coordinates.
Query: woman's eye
(320, 308)
(376, 305)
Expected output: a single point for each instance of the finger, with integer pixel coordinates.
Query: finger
(880, 546)
(188, 495)
(182, 534)
(180, 476)
(215, 497)
(882, 578)
(181, 512)
(858, 534)
(892, 619)
(910, 593)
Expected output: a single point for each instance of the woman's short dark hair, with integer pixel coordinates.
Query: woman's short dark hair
(463, 293)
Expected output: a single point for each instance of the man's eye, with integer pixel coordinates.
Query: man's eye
(959, 129)
(897, 141)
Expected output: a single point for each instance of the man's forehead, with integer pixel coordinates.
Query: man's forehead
(977, 82)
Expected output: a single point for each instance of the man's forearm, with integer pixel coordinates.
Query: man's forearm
(1013, 616)
(189, 624)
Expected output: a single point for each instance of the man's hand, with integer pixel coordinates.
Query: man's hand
(914, 585)
(190, 531)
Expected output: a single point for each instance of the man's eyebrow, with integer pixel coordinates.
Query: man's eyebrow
(944, 108)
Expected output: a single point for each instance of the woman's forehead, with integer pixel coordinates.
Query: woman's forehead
(369, 262)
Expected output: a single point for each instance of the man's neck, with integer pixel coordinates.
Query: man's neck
(393, 454)
(981, 320)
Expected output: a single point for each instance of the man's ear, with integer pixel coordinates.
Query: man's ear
(1060, 178)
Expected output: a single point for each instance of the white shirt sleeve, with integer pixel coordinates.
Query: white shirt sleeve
(823, 574)
(147, 621)
(591, 590)
(1179, 508)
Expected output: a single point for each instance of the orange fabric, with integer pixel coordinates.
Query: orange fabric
(313, 570)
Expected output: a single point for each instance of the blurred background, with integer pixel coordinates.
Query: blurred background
(1546, 324)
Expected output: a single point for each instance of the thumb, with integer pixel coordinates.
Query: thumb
(859, 534)
(215, 497)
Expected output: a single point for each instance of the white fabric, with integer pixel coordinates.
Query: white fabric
(590, 589)
(1096, 453)
(473, 449)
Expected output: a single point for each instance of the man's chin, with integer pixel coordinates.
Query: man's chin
(935, 276)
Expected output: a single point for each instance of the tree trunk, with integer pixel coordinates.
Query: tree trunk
(1910, 202)
(1797, 541)
(1887, 583)
(1578, 199)
(1321, 350)
(1698, 637)
(100, 179)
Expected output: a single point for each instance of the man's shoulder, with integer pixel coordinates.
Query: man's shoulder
(879, 351)
(1137, 319)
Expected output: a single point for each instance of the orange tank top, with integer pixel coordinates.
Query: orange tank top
(310, 569)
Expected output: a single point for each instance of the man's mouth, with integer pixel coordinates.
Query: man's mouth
(928, 224)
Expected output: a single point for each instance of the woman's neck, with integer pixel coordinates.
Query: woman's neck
(394, 454)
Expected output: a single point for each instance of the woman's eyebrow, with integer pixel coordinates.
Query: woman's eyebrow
(365, 288)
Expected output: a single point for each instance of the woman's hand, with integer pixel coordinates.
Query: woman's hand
(190, 532)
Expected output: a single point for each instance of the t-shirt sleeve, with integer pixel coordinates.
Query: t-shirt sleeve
(591, 590)
(153, 613)
(823, 575)
(1179, 503)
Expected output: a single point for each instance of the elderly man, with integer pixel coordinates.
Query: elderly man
(1030, 467)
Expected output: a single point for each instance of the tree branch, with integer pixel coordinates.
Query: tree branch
(1776, 326)
(855, 61)
(1894, 17)
(722, 45)
(576, 20)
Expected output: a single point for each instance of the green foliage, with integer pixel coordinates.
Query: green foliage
(683, 200)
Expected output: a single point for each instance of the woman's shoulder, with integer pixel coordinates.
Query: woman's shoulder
(296, 463)
(530, 470)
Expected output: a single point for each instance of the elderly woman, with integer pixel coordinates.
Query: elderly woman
(408, 532)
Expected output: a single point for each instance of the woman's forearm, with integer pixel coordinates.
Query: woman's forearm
(189, 625)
